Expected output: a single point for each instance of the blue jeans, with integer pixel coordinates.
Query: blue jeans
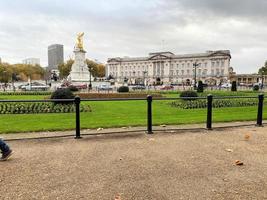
(3, 146)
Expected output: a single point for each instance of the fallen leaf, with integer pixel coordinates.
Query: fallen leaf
(118, 197)
(247, 136)
(238, 162)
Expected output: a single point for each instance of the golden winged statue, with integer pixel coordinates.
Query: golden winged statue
(79, 43)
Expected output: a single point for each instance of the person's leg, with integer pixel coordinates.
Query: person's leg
(3, 146)
(5, 150)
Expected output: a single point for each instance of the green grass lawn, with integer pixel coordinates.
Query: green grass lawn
(119, 114)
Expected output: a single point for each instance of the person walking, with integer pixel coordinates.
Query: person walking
(5, 150)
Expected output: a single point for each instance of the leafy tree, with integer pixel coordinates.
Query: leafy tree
(92, 67)
(65, 68)
(10, 72)
(263, 70)
(101, 72)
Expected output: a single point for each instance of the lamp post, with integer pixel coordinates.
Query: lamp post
(5, 82)
(262, 72)
(90, 81)
(134, 76)
(195, 65)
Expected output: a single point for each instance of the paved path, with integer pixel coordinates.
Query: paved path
(163, 166)
(99, 131)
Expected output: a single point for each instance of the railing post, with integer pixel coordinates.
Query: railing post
(149, 115)
(260, 110)
(77, 101)
(209, 112)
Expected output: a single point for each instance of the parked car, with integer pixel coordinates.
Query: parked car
(79, 86)
(166, 87)
(226, 85)
(33, 86)
(104, 87)
(139, 87)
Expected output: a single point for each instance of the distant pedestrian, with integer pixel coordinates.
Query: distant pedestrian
(5, 150)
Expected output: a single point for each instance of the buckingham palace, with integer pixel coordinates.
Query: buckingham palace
(211, 67)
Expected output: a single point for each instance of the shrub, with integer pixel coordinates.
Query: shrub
(73, 88)
(233, 88)
(200, 86)
(188, 93)
(123, 89)
(256, 88)
(62, 94)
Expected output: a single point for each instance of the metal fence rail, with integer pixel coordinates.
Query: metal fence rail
(77, 100)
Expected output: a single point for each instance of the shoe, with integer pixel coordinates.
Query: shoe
(6, 155)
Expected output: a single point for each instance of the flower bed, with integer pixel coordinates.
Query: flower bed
(216, 103)
(30, 108)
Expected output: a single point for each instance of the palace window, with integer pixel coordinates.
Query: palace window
(222, 64)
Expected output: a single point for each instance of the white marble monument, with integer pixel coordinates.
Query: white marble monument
(79, 70)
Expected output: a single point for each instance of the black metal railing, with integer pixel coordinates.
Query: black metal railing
(77, 101)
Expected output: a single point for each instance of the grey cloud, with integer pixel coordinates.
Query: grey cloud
(135, 28)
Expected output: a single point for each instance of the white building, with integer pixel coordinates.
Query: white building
(31, 61)
(212, 67)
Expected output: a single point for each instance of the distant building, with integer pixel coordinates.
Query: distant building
(247, 79)
(31, 61)
(166, 67)
(55, 55)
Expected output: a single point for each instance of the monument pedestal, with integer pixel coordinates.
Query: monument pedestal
(79, 70)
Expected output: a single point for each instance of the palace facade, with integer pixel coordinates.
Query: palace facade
(212, 67)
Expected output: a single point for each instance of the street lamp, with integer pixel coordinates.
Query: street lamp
(195, 65)
(90, 81)
(262, 72)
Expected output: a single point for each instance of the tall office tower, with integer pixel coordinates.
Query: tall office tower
(55, 55)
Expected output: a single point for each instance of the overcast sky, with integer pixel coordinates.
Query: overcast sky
(135, 28)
